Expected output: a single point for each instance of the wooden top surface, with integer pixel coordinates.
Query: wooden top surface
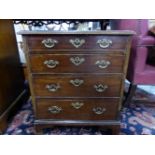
(105, 32)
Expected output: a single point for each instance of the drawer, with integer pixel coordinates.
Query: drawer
(76, 63)
(75, 42)
(77, 109)
(77, 85)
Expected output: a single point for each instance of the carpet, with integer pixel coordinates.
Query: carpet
(136, 119)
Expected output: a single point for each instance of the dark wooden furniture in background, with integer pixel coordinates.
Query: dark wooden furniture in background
(12, 88)
(151, 54)
(77, 78)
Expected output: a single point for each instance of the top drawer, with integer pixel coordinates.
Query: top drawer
(75, 42)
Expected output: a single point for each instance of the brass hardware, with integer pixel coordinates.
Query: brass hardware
(77, 105)
(49, 43)
(77, 60)
(54, 109)
(99, 110)
(77, 82)
(77, 42)
(100, 88)
(51, 63)
(102, 63)
(52, 87)
(104, 43)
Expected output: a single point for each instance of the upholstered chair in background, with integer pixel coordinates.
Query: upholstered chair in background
(140, 72)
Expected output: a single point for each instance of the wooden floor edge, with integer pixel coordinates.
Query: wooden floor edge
(76, 122)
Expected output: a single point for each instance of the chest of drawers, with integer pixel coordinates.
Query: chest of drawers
(77, 78)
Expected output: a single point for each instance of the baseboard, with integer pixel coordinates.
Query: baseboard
(12, 109)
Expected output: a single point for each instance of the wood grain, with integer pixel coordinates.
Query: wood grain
(86, 89)
(87, 66)
(85, 112)
(42, 76)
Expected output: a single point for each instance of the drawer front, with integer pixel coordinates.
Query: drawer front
(76, 63)
(54, 42)
(77, 85)
(77, 109)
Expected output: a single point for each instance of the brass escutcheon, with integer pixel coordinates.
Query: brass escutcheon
(102, 63)
(49, 43)
(52, 87)
(100, 88)
(76, 82)
(77, 42)
(99, 110)
(54, 109)
(51, 63)
(77, 60)
(77, 105)
(104, 43)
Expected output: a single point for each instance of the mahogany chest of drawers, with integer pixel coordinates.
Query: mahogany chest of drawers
(77, 78)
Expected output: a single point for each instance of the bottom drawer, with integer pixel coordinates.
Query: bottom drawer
(77, 109)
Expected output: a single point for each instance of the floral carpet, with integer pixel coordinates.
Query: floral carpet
(136, 119)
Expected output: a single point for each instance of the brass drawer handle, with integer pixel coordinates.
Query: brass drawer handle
(77, 42)
(52, 87)
(54, 109)
(99, 110)
(49, 43)
(77, 60)
(104, 43)
(100, 88)
(77, 105)
(102, 63)
(51, 63)
(76, 82)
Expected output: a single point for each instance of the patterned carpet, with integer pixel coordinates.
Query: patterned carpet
(137, 119)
